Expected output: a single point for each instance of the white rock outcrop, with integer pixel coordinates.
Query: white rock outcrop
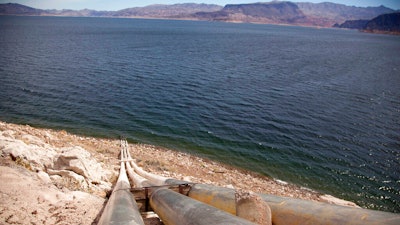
(26, 199)
(67, 162)
(79, 161)
(39, 157)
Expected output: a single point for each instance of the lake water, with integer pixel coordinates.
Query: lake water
(315, 107)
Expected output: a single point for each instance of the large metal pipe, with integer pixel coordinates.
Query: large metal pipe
(221, 198)
(176, 209)
(138, 181)
(296, 211)
(121, 208)
(284, 210)
(153, 178)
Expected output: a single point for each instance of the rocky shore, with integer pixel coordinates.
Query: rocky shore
(55, 177)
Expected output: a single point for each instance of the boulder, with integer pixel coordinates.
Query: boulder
(44, 177)
(76, 181)
(79, 161)
(38, 157)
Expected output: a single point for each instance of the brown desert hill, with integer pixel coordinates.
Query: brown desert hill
(18, 9)
(308, 14)
(339, 12)
(386, 23)
(279, 12)
(270, 13)
(166, 11)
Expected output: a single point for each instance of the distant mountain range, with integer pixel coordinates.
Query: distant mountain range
(151, 11)
(304, 14)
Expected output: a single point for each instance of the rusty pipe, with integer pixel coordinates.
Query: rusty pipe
(175, 209)
(121, 207)
(138, 180)
(153, 178)
(219, 197)
(296, 211)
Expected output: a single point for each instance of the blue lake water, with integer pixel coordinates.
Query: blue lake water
(315, 107)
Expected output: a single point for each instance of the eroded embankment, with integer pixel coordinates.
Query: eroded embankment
(51, 177)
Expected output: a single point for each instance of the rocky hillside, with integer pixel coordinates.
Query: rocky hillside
(274, 12)
(54, 177)
(309, 14)
(151, 11)
(166, 11)
(17, 9)
(340, 13)
(387, 23)
(352, 24)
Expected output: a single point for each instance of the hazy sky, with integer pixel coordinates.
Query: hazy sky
(121, 4)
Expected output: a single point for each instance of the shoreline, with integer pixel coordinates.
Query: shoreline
(103, 154)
